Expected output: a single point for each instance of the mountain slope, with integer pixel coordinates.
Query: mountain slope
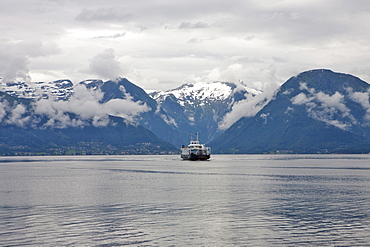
(199, 107)
(317, 111)
(117, 97)
(154, 119)
(171, 115)
(113, 139)
(59, 90)
(31, 127)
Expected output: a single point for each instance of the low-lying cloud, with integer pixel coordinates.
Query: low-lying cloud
(363, 98)
(248, 107)
(332, 109)
(82, 109)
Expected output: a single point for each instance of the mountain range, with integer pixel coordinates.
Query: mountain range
(44, 117)
(317, 111)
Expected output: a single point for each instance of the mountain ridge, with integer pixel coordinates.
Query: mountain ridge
(317, 111)
(171, 115)
(200, 107)
(314, 112)
(77, 125)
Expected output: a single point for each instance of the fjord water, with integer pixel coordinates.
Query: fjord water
(241, 200)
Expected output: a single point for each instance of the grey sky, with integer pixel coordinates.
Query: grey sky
(160, 44)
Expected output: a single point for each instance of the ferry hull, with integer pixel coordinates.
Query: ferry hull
(192, 156)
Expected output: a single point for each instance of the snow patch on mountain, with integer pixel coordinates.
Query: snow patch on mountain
(57, 90)
(201, 93)
(197, 106)
(77, 107)
(203, 106)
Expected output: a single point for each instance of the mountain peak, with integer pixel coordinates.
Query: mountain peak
(200, 106)
(315, 111)
(203, 92)
(325, 80)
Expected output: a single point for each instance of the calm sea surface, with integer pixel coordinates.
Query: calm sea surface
(231, 200)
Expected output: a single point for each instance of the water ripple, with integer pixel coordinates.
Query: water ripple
(246, 201)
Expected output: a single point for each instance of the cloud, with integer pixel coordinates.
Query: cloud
(363, 98)
(263, 79)
(15, 57)
(82, 108)
(85, 105)
(330, 109)
(170, 41)
(110, 14)
(190, 25)
(301, 99)
(106, 65)
(37, 48)
(4, 105)
(112, 36)
(248, 107)
(13, 63)
(17, 117)
(124, 108)
(13, 114)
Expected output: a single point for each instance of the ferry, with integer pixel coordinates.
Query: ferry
(195, 150)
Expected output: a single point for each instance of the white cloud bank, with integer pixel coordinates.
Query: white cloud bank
(82, 109)
(363, 98)
(332, 109)
(248, 107)
(85, 104)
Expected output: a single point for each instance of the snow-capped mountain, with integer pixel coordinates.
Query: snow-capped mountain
(316, 111)
(93, 117)
(202, 93)
(58, 90)
(200, 107)
(172, 115)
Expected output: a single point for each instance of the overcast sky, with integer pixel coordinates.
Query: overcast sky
(161, 44)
